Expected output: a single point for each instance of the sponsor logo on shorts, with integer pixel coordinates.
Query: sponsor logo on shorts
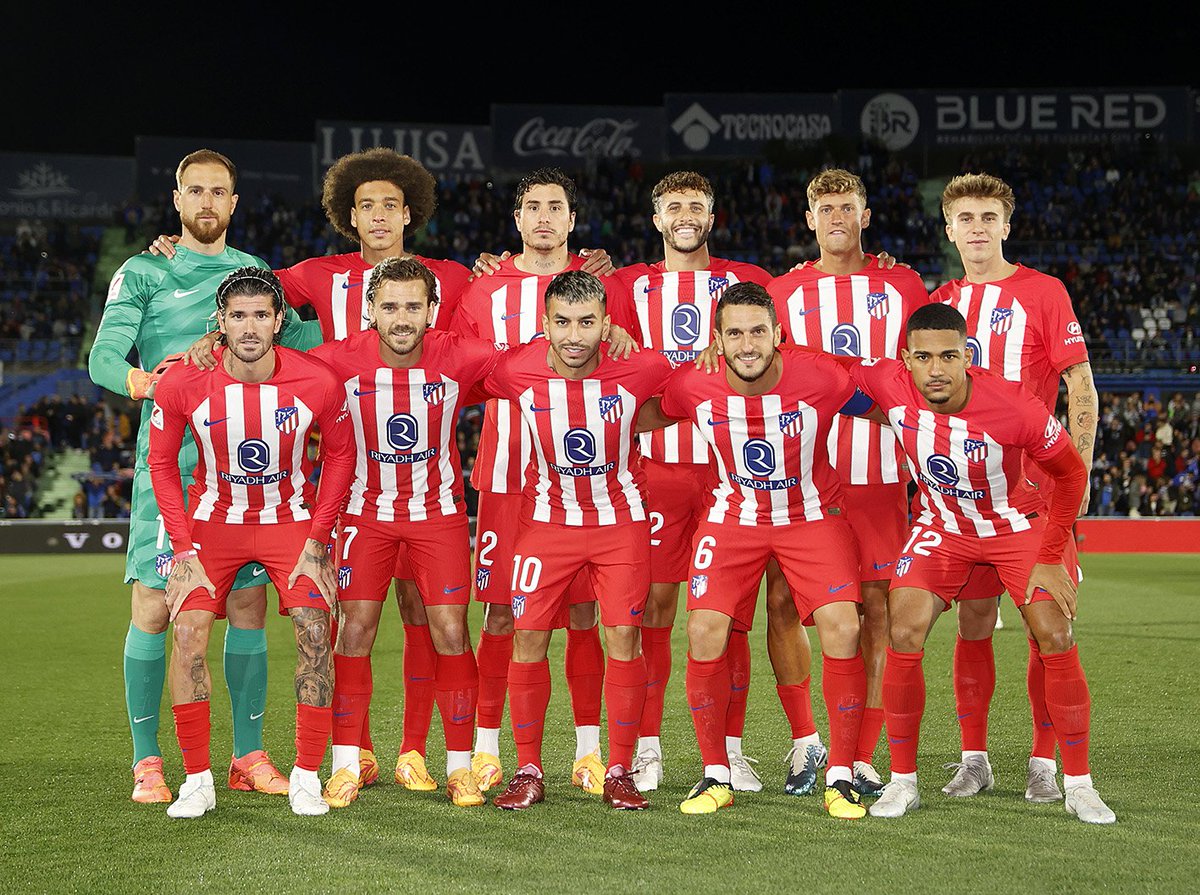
(698, 586)
(902, 565)
(344, 573)
(256, 716)
(315, 595)
(636, 612)
(451, 590)
(483, 577)
(840, 587)
(880, 565)
(518, 605)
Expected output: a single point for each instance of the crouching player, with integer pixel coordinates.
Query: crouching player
(404, 385)
(251, 501)
(966, 432)
(767, 415)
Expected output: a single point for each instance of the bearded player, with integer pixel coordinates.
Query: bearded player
(847, 303)
(1020, 326)
(251, 501)
(972, 437)
(158, 307)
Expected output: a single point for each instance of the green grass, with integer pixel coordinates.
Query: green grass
(67, 823)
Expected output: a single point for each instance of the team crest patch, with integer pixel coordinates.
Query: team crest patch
(790, 423)
(344, 573)
(902, 565)
(483, 577)
(1002, 320)
(717, 286)
(975, 449)
(164, 564)
(698, 586)
(518, 605)
(611, 408)
(434, 393)
(877, 304)
(287, 419)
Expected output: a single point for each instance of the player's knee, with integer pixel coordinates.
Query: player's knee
(449, 636)
(1054, 636)
(622, 642)
(190, 638)
(780, 605)
(583, 616)
(355, 638)
(498, 619)
(708, 635)
(977, 618)
(412, 608)
(148, 611)
(906, 635)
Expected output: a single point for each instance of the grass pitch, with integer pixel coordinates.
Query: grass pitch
(67, 823)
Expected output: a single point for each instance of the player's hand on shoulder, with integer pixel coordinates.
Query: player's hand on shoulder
(487, 264)
(887, 262)
(708, 360)
(163, 245)
(620, 343)
(1054, 580)
(314, 563)
(202, 352)
(597, 263)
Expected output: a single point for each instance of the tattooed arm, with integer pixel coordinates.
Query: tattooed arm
(314, 656)
(1083, 414)
(186, 576)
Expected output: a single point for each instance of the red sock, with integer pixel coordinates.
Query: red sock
(1070, 707)
(313, 726)
(738, 653)
(903, 706)
(456, 690)
(193, 730)
(585, 675)
(708, 698)
(364, 740)
(624, 697)
(529, 695)
(868, 734)
(974, 684)
(420, 665)
(494, 654)
(1043, 728)
(844, 685)
(656, 648)
(351, 698)
(796, 700)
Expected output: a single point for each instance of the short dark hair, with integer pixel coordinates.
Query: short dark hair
(250, 281)
(401, 270)
(575, 287)
(206, 157)
(546, 177)
(750, 294)
(352, 171)
(936, 317)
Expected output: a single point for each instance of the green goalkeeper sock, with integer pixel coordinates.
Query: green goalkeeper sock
(145, 671)
(246, 677)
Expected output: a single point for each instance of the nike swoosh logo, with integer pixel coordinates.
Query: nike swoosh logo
(257, 570)
(850, 708)
(342, 714)
(457, 718)
(315, 596)
(964, 715)
(450, 590)
(636, 611)
(738, 689)
(351, 285)
(912, 428)
(140, 720)
(652, 683)
(214, 422)
(809, 311)
(536, 409)
(179, 293)
(649, 289)
(834, 590)
(1076, 742)
(370, 391)
(1047, 724)
(621, 723)
(718, 422)
(895, 741)
(526, 724)
(510, 316)
(878, 566)
(697, 708)
(418, 679)
(256, 717)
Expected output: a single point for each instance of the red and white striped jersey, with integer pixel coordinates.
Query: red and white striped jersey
(507, 307)
(407, 465)
(771, 455)
(586, 469)
(333, 285)
(253, 467)
(675, 313)
(859, 315)
(968, 464)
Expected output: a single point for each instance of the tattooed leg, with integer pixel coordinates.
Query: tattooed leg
(314, 656)
(188, 674)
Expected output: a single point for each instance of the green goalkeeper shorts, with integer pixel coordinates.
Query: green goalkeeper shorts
(149, 550)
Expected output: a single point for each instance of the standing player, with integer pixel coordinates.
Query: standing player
(675, 299)
(1021, 326)
(404, 387)
(969, 435)
(846, 303)
(582, 512)
(160, 306)
(767, 416)
(508, 307)
(251, 500)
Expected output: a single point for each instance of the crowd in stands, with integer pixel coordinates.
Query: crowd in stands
(46, 273)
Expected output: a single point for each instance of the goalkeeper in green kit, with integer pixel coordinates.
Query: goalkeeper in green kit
(160, 307)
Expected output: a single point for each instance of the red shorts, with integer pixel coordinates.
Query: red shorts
(404, 569)
(984, 581)
(224, 548)
(942, 563)
(818, 559)
(438, 548)
(613, 559)
(676, 495)
(878, 515)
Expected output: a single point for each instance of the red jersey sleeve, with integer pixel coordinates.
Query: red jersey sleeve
(338, 457)
(463, 321)
(1060, 328)
(678, 397)
(618, 302)
(452, 278)
(481, 359)
(1047, 444)
(168, 420)
(295, 293)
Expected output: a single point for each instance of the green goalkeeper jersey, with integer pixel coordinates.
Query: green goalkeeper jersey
(161, 306)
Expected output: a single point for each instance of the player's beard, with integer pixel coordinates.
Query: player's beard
(699, 241)
(575, 363)
(402, 340)
(249, 352)
(206, 232)
(752, 374)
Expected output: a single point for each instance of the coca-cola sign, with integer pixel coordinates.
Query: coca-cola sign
(528, 135)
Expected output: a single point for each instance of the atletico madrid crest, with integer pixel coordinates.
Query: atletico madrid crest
(790, 422)
(699, 586)
(975, 449)
(1002, 319)
(164, 564)
(902, 565)
(518, 605)
(611, 408)
(877, 304)
(287, 419)
(717, 286)
(344, 573)
(483, 577)
(434, 393)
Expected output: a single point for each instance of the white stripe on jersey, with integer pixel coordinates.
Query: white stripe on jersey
(384, 402)
(235, 434)
(446, 471)
(541, 491)
(634, 497)
(208, 500)
(927, 427)
(723, 489)
(998, 487)
(338, 293)
(419, 471)
(958, 433)
(299, 447)
(358, 487)
(596, 484)
(827, 296)
(268, 400)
